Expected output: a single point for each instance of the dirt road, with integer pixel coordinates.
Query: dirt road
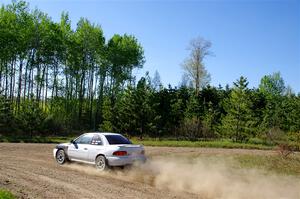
(30, 171)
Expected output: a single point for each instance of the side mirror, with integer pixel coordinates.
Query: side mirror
(72, 141)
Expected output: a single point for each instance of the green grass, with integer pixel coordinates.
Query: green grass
(6, 194)
(212, 144)
(35, 139)
(145, 142)
(267, 163)
(271, 163)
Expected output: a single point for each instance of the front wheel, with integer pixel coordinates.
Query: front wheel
(60, 156)
(101, 163)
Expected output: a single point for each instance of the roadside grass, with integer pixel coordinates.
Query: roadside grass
(4, 194)
(268, 164)
(146, 142)
(35, 139)
(211, 144)
(271, 163)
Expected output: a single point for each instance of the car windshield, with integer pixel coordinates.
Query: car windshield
(117, 139)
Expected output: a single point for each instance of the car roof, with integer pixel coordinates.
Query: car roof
(103, 133)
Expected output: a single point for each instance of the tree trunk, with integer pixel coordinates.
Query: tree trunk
(19, 85)
(98, 115)
(81, 95)
(46, 87)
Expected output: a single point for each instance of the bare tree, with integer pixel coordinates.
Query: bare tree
(194, 65)
(156, 81)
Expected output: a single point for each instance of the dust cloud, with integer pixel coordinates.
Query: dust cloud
(206, 178)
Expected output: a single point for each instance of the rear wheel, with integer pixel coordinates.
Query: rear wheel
(60, 156)
(101, 163)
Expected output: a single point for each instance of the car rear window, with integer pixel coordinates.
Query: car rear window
(117, 139)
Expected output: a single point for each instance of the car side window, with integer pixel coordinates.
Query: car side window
(85, 139)
(96, 140)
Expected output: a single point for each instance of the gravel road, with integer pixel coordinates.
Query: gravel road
(30, 171)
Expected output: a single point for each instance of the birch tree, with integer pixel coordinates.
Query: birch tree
(194, 66)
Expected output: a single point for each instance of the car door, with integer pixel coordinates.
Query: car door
(95, 148)
(79, 149)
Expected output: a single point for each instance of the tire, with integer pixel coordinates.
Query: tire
(101, 163)
(60, 157)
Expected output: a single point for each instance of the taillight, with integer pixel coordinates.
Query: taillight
(120, 153)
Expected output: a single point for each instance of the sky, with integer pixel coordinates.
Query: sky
(252, 38)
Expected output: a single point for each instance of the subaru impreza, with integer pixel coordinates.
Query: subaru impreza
(104, 150)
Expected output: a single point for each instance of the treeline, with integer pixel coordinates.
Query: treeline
(239, 113)
(55, 80)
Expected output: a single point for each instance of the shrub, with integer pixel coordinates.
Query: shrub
(194, 129)
(6, 194)
(276, 136)
(255, 140)
(53, 125)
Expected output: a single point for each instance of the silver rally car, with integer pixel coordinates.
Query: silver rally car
(102, 149)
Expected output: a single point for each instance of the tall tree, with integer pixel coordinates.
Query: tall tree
(237, 123)
(143, 111)
(124, 53)
(272, 84)
(156, 81)
(272, 87)
(194, 66)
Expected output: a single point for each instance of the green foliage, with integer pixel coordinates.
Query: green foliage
(54, 80)
(276, 136)
(210, 121)
(124, 53)
(36, 139)
(191, 128)
(256, 140)
(31, 118)
(6, 194)
(143, 112)
(6, 114)
(290, 113)
(193, 107)
(238, 121)
(272, 84)
(65, 74)
(53, 125)
(106, 125)
(294, 136)
(213, 144)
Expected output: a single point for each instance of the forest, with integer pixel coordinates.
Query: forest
(55, 80)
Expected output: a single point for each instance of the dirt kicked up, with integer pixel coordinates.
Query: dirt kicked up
(30, 171)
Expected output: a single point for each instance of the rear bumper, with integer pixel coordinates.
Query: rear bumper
(125, 160)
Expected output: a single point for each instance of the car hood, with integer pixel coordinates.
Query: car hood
(62, 145)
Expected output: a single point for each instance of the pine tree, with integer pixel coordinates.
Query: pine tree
(143, 110)
(107, 124)
(238, 121)
(126, 120)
